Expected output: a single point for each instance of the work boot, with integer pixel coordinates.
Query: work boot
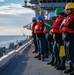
(34, 51)
(72, 73)
(37, 56)
(51, 62)
(55, 62)
(58, 62)
(62, 66)
(69, 70)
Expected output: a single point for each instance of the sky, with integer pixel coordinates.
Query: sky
(13, 17)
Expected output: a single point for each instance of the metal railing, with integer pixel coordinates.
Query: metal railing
(5, 49)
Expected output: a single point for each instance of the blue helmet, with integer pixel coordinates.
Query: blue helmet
(51, 14)
(34, 18)
(40, 17)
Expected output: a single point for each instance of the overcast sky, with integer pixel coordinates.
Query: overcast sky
(13, 17)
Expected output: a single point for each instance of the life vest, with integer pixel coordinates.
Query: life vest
(39, 27)
(68, 25)
(33, 25)
(57, 23)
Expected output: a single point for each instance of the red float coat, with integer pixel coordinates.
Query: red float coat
(39, 27)
(56, 25)
(33, 25)
(68, 25)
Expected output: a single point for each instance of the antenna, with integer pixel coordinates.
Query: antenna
(23, 33)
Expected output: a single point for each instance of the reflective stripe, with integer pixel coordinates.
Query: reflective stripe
(47, 24)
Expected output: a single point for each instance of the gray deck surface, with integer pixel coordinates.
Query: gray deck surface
(26, 64)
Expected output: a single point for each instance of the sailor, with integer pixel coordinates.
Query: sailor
(68, 33)
(34, 22)
(47, 25)
(58, 41)
(41, 37)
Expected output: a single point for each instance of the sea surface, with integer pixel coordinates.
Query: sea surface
(5, 40)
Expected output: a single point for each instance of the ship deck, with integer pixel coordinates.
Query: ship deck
(25, 64)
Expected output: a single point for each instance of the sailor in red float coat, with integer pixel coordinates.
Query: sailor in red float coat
(68, 35)
(68, 25)
(34, 22)
(33, 25)
(39, 27)
(58, 41)
(56, 25)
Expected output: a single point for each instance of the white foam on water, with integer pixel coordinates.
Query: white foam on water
(15, 41)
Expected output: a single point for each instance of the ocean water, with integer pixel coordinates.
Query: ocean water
(5, 40)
